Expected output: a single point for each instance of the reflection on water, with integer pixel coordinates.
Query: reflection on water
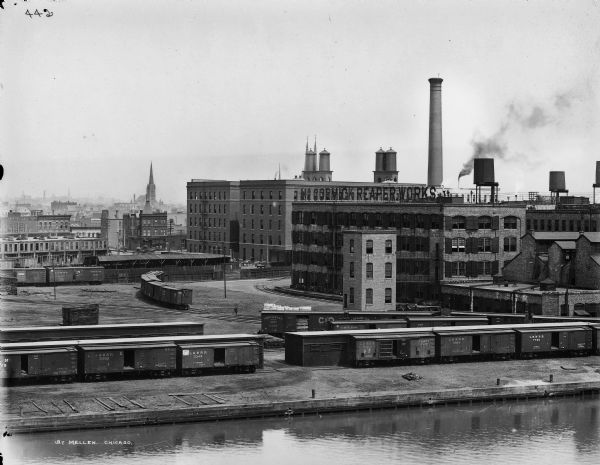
(546, 431)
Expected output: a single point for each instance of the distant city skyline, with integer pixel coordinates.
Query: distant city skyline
(231, 91)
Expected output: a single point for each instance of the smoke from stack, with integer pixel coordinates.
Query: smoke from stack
(519, 116)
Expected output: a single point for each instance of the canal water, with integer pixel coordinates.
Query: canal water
(562, 431)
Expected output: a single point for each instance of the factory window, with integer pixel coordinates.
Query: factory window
(280, 196)
(485, 268)
(279, 240)
(528, 225)
(549, 225)
(420, 221)
(388, 295)
(270, 209)
(279, 225)
(404, 243)
(369, 296)
(352, 269)
(421, 244)
(378, 220)
(270, 194)
(563, 225)
(295, 195)
(261, 239)
(535, 225)
(224, 208)
(388, 246)
(369, 274)
(252, 223)
(459, 268)
(556, 222)
(542, 225)
(484, 244)
(270, 240)
(579, 225)
(510, 244)
(369, 246)
(351, 295)
(485, 222)
(313, 218)
(365, 219)
(244, 197)
(253, 197)
(270, 224)
(571, 225)
(458, 222)
(262, 209)
(405, 220)
(458, 244)
(262, 195)
(261, 224)
(252, 209)
(279, 210)
(388, 270)
(593, 226)
(510, 222)
(351, 245)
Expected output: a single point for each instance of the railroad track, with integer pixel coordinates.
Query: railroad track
(270, 290)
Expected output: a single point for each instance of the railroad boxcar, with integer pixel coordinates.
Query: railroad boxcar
(88, 274)
(595, 338)
(56, 364)
(316, 348)
(474, 342)
(80, 314)
(130, 359)
(278, 322)
(195, 358)
(57, 333)
(556, 341)
(59, 275)
(406, 347)
(564, 319)
(31, 276)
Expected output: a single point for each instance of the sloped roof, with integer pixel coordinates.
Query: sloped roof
(555, 235)
(566, 245)
(596, 258)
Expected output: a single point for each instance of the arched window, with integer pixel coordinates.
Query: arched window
(485, 222)
(458, 222)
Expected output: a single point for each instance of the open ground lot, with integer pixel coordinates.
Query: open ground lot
(276, 382)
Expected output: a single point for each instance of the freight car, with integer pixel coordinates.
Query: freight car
(440, 344)
(49, 276)
(156, 290)
(58, 333)
(342, 325)
(124, 358)
(564, 319)
(278, 322)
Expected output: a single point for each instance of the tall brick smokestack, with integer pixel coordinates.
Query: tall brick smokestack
(436, 164)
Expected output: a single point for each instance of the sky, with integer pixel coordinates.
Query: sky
(232, 89)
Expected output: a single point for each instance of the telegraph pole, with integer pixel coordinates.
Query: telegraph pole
(224, 274)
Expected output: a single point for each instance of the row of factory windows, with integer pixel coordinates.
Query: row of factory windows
(260, 239)
(480, 244)
(261, 209)
(53, 246)
(208, 195)
(208, 222)
(260, 224)
(561, 225)
(369, 295)
(207, 235)
(403, 220)
(216, 249)
(154, 232)
(470, 269)
(210, 208)
(388, 270)
(369, 246)
(252, 195)
(149, 221)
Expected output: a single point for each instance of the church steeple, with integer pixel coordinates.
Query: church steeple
(151, 189)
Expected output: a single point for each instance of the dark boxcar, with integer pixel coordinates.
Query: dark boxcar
(127, 360)
(453, 344)
(60, 275)
(501, 342)
(88, 274)
(80, 315)
(31, 276)
(343, 325)
(410, 347)
(315, 349)
(193, 358)
(533, 341)
(57, 363)
(579, 340)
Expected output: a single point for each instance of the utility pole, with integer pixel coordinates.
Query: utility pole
(54, 278)
(224, 275)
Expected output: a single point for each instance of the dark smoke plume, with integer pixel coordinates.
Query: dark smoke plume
(517, 116)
